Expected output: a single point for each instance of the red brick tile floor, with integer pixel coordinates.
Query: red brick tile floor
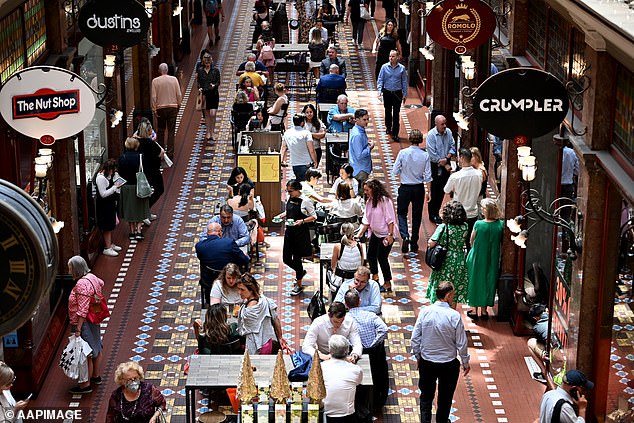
(153, 284)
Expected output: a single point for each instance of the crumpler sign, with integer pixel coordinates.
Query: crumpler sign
(461, 24)
(520, 101)
(47, 103)
(123, 23)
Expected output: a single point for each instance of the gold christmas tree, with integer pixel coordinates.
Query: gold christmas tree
(246, 383)
(316, 389)
(280, 386)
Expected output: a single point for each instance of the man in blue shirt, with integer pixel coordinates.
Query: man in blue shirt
(412, 164)
(369, 291)
(341, 117)
(330, 86)
(437, 338)
(233, 227)
(392, 86)
(360, 149)
(441, 147)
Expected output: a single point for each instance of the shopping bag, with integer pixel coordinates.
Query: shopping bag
(364, 13)
(302, 363)
(166, 162)
(74, 360)
(200, 101)
(143, 187)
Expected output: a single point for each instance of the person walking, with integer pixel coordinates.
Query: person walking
(392, 86)
(483, 260)
(414, 168)
(571, 393)
(441, 148)
(166, 99)
(360, 148)
(380, 220)
(298, 141)
(386, 41)
(208, 78)
(451, 233)
(213, 15)
(299, 211)
(358, 23)
(437, 339)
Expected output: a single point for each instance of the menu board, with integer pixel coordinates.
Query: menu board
(269, 168)
(250, 165)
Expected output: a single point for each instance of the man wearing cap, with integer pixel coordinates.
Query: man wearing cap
(559, 402)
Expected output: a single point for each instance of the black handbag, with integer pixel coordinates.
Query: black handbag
(316, 307)
(436, 255)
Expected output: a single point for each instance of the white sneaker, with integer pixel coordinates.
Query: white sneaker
(115, 247)
(110, 252)
(153, 217)
(147, 222)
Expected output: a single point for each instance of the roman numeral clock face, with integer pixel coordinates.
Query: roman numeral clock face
(18, 266)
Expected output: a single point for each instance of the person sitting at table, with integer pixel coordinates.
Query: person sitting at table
(330, 86)
(261, 15)
(308, 187)
(257, 319)
(341, 378)
(250, 72)
(345, 175)
(347, 256)
(319, 27)
(340, 116)
(332, 59)
(327, 13)
(238, 177)
(244, 206)
(277, 112)
(246, 86)
(225, 289)
(369, 290)
(260, 69)
(216, 332)
(336, 321)
(260, 121)
(346, 206)
(317, 47)
(241, 111)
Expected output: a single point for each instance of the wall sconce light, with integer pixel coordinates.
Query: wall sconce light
(115, 117)
(149, 8)
(57, 224)
(469, 70)
(427, 52)
(108, 65)
(41, 167)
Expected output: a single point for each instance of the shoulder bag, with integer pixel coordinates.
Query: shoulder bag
(143, 187)
(98, 309)
(364, 13)
(436, 255)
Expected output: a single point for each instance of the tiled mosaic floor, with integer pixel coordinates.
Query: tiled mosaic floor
(155, 292)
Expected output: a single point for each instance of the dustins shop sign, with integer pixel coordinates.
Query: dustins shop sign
(520, 101)
(461, 24)
(47, 103)
(123, 23)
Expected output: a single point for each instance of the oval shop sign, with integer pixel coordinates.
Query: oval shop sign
(520, 101)
(123, 23)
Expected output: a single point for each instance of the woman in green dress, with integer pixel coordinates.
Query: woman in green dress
(483, 260)
(452, 233)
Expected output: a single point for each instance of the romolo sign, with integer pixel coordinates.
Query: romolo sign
(520, 101)
(123, 23)
(47, 103)
(461, 24)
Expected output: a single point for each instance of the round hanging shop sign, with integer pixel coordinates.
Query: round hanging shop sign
(28, 256)
(123, 23)
(47, 103)
(520, 101)
(460, 25)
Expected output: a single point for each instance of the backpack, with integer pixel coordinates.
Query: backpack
(211, 6)
(267, 56)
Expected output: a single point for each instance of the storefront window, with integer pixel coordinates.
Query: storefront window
(11, 45)
(34, 24)
(624, 113)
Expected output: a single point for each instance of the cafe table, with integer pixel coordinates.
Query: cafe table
(223, 371)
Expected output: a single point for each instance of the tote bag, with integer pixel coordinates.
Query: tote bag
(364, 13)
(143, 187)
(200, 101)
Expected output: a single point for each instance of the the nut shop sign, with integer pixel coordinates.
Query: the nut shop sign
(460, 25)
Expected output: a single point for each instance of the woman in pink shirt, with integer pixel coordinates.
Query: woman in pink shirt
(380, 219)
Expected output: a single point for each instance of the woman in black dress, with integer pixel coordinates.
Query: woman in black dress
(152, 154)
(299, 212)
(208, 79)
(386, 41)
(241, 110)
(106, 205)
(238, 177)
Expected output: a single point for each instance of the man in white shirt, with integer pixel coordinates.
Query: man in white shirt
(369, 291)
(465, 186)
(299, 143)
(438, 335)
(341, 379)
(335, 322)
(561, 400)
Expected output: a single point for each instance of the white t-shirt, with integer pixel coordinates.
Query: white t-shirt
(466, 184)
(297, 139)
(226, 295)
(341, 379)
(355, 185)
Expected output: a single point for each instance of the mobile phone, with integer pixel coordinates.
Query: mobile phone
(574, 393)
(29, 397)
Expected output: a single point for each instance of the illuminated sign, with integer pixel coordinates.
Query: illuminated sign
(122, 23)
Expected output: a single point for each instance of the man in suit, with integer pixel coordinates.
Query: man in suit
(214, 253)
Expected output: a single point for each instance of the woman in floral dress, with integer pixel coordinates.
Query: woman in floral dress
(452, 233)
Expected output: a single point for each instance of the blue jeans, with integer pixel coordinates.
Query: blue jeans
(300, 172)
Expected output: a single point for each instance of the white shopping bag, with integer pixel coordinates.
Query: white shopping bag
(74, 361)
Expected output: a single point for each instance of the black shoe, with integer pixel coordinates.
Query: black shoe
(132, 236)
(96, 380)
(139, 236)
(413, 246)
(217, 39)
(405, 245)
(77, 390)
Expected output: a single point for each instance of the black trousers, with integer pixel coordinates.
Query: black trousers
(352, 418)
(446, 376)
(292, 258)
(380, 377)
(377, 255)
(440, 176)
(414, 195)
(392, 101)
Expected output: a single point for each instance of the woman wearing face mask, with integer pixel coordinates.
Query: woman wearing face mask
(134, 401)
(8, 405)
